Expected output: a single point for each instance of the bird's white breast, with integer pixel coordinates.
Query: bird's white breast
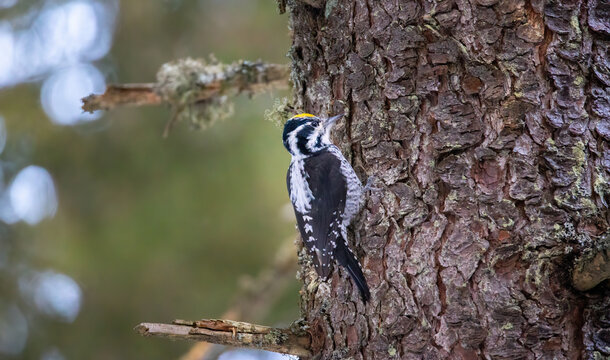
(353, 198)
(300, 193)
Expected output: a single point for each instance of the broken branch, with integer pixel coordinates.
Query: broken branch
(232, 333)
(128, 94)
(255, 296)
(192, 81)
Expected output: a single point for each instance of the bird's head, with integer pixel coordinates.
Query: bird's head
(306, 134)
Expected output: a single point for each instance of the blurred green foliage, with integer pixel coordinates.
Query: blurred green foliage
(154, 229)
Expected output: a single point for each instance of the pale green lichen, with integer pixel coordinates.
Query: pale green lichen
(179, 83)
(566, 233)
(511, 67)
(299, 327)
(577, 197)
(508, 326)
(330, 5)
(463, 48)
(601, 185)
(451, 146)
(199, 90)
(539, 259)
(178, 79)
(280, 111)
(275, 337)
(406, 107)
(424, 323)
(507, 223)
(579, 80)
(391, 351)
(578, 150)
(575, 24)
(600, 180)
(432, 25)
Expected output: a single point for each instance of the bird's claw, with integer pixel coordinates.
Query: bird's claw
(370, 184)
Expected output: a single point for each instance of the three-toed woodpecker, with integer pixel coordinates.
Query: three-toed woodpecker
(326, 195)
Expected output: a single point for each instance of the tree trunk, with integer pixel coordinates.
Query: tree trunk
(486, 123)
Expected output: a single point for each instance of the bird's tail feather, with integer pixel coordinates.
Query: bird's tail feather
(348, 260)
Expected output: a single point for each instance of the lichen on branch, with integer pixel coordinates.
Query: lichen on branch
(281, 110)
(198, 90)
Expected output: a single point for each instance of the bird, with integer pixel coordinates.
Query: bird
(326, 195)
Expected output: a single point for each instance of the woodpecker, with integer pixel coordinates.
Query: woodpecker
(326, 195)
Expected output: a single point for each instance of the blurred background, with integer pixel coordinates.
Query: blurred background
(103, 223)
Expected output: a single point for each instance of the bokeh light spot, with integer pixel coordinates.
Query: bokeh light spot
(7, 213)
(5, 4)
(54, 294)
(254, 355)
(7, 44)
(81, 26)
(52, 354)
(61, 35)
(2, 138)
(13, 331)
(32, 195)
(239, 355)
(66, 31)
(58, 295)
(62, 92)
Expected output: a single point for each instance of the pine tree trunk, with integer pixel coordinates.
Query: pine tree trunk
(487, 124)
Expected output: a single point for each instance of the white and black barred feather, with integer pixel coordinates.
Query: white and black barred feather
(326, 195)
(319, 225)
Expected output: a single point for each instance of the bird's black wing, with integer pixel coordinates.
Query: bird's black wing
(320, 226)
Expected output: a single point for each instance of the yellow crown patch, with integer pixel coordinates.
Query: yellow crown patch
(303, 115)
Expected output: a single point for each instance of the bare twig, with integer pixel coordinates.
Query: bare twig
(232, 333)
(256, 296)
(202, 81)
(128, 94)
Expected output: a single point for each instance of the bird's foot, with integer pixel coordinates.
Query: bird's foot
(357, 237)
(313, 285)
(370, 184)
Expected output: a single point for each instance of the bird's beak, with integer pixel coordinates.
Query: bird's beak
(330, 122)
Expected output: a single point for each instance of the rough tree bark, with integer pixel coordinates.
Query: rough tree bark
(487, 123)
